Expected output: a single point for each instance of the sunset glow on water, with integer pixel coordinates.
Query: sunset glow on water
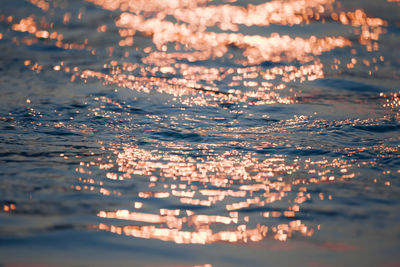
(199, 133)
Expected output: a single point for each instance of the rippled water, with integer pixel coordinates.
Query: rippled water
(207, 133)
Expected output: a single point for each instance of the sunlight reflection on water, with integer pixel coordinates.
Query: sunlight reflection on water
(202, 122)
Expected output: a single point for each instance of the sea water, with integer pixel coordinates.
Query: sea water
(199, 133)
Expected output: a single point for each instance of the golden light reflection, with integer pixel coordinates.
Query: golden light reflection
(227, 17)
(229, 182)
(225, 196)
(265, 93)
(256, 48)
(9, 208)
(42, 4)
(193, 41)
(41, 31)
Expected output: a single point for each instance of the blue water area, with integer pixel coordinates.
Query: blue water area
(199, 133)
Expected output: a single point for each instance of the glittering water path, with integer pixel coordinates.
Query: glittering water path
(222, 133)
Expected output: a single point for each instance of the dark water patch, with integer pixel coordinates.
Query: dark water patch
(333, 214)
(273, 150)
(342, 84)
(270, 120)
(30, 154)
(9, 128)
(62, 133)
(177, 135)
(378, 128)
(137, 111)
(46, 47)
(309, 152)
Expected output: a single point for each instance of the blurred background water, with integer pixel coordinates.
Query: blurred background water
(199, 133)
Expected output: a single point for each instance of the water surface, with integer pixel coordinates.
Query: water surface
(199, 133)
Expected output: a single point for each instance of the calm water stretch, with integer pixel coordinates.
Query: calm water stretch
(199, 133)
